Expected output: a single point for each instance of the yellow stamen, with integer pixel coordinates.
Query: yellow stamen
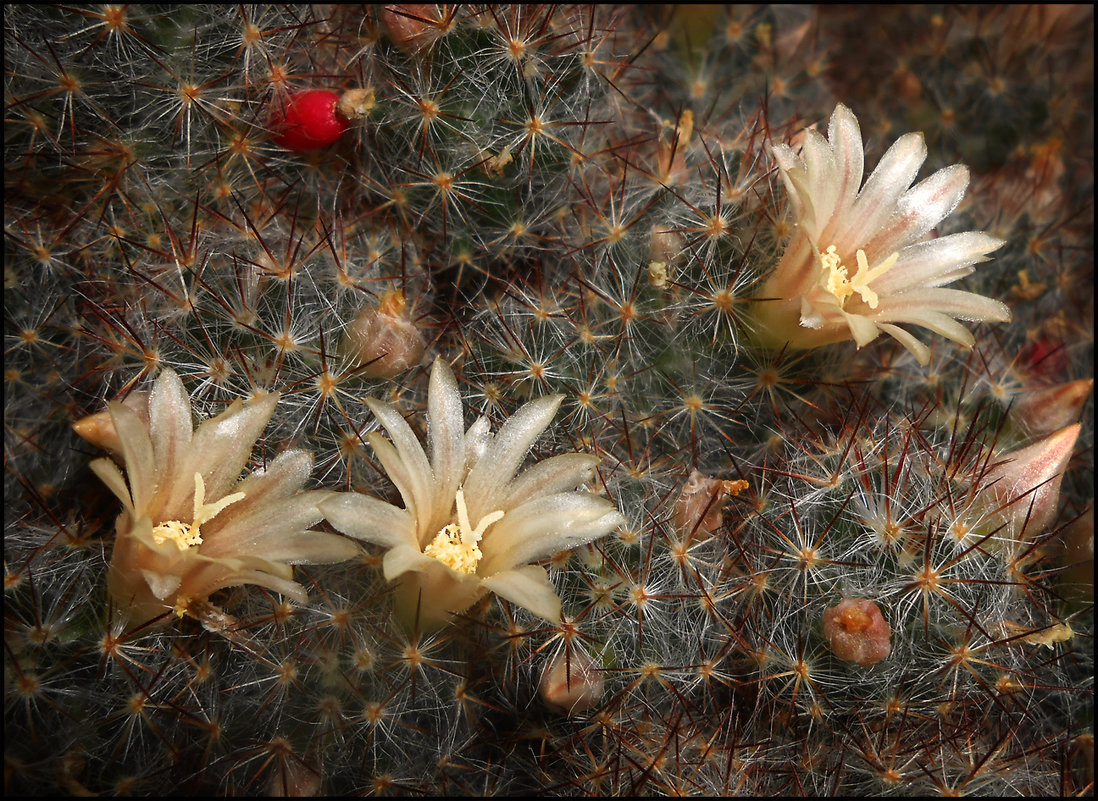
(456, 544)
(836, 276)
(186, 535)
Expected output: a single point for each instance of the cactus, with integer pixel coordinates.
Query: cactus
(836, 564)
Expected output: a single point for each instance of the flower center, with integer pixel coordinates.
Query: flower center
(456, 544)
(185, 535)
(836, 280)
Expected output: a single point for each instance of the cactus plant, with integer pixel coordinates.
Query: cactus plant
(588, 210)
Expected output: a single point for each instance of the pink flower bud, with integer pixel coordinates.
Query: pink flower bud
(383, 339)
(572, 682)
(857, 631)
(1042, 411)
(1023, 490)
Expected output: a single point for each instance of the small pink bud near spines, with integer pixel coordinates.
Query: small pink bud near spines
(1022, 492)
(383, 339)
(572, 683)
(857, 631)
(1048, 409)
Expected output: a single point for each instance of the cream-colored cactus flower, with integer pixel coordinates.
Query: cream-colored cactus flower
(469, 526)
(862, 259)
(190, 526)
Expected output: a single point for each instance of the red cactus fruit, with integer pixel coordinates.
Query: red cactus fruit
(308, 120)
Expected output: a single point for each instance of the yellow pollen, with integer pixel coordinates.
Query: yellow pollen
(836, 280)
(186, 535)
(456, 544)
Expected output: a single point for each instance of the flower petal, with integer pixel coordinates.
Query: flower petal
(555, 474)
(877, 200)
(219, 449)
(823, 184)
(920, 351)
(505, 453)
(137, 454)
(544, 526)
(918, 210)
(954, 302)
(170, 426)
(845, 136)
(446, 434)
(370, 520)
(283, 477)
(937, 261)
(863, 329)
(110, 475)
(404, 558)
(417, 471)
(529, 587)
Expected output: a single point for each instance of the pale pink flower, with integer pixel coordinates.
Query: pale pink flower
(190, 525)
(469, 526)
(863, 259)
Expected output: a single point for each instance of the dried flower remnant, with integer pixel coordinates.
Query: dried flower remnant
(572, 683)
(698, 509)
(356, 104)
(862, 259)
(469, 526)
(189, 527)
(383, 339)
(857, 631)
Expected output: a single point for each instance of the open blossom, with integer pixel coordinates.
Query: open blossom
(469, 526)
(862, 258)
(188, 526)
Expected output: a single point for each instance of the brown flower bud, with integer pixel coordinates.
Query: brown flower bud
(383, 339)
(572, 682)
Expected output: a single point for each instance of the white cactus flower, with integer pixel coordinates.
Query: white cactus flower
(189, 527)
(469, 526)
(862, 259)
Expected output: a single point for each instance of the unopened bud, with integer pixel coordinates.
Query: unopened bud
(697, 510)
(1042, 411)
(383, 339)
(665, 244)
(857, 631)
(572, 682)
(1022, 491)
(410, 25)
